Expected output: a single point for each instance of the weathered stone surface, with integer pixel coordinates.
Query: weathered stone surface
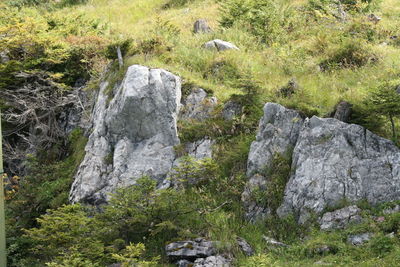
(132, 136)
(184, 263)
(220, 45)
(359, 239)
(333, 161)
(278, 132)
(340, 218)
(245, 246)
(201, 26)
(212, 261)
(343, 111)
(231, 109)
(200, 149)
(197, 105)
(190, 250)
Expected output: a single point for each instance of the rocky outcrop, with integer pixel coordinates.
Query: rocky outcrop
(132, 136)
(220, 45)
(197, 105)
(332, 161)
(341, 218)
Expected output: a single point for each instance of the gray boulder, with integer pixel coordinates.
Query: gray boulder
(333, 161)
(190, 250)
(220, 45)
(201, 26)
(197, 105)
(341, 218)
(231, 109)
(359, 239)
(212, 261)
(131, 137)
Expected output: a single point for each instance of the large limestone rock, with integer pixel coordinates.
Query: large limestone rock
(331, 161)
(278, 132)
(133, 136)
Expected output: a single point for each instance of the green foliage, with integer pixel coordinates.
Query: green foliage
(385, 101)
(131, 256)
(352, 54)
(381, 245)
(191, 171)
(328, 7)
(73, 260)
(271, 21)
(46, 187)
(276, 176)
(66, 231)
(67, 46)
(44, 3)
(140, 212)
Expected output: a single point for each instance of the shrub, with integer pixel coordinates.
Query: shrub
(190, 171)
(269, 20)
(66, 231)
(381, 244)
(351, 54)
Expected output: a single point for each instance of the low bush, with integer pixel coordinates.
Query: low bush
(271, 21)
(351, 54)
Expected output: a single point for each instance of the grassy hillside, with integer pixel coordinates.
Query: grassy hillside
(331, 58)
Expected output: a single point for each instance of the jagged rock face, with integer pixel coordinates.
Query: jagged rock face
(331, 161)
(278, 132)
(133, 136)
